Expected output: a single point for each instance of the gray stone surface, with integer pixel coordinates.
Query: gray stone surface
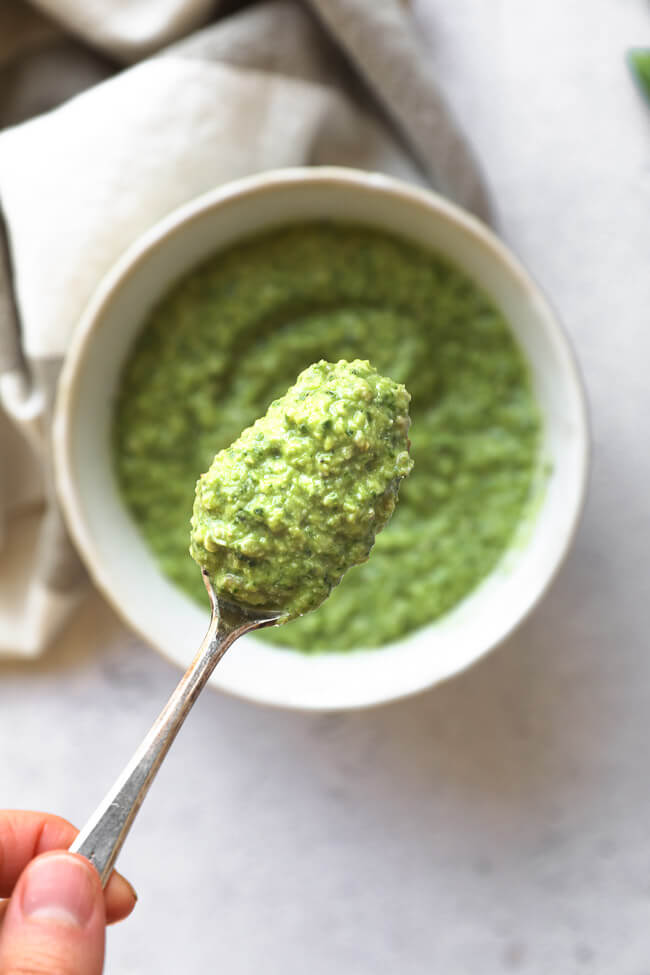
(500, 822)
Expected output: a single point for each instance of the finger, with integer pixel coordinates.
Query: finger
(54, 923)
(119, 898)
(24, 835)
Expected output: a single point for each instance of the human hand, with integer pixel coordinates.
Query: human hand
(54, 920)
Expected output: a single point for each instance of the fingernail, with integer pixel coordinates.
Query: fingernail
(58, 888)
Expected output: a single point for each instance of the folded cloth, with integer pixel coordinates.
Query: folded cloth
(281, 83)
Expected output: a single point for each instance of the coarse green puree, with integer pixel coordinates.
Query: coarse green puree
(231, 337)
(298, 498)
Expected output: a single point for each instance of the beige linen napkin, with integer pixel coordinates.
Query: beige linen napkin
(280, 83)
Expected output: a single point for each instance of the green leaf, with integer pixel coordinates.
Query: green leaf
(639, 61)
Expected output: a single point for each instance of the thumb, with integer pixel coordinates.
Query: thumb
(54, 923)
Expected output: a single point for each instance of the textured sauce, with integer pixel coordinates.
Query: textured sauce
(298, 498)
(230, 338)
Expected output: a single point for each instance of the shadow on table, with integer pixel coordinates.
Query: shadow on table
(527, 719)
(523, 721)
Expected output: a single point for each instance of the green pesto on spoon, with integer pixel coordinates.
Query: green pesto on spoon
(278, 518)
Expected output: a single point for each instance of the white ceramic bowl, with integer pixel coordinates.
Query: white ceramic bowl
(117, 558)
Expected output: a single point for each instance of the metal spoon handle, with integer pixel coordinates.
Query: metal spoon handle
(102, 837)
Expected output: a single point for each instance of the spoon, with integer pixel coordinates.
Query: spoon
(102, 837)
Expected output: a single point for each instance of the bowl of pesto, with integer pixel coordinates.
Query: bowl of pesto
(208, 319)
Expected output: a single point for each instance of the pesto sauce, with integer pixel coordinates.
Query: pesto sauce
(298, 498)
(231, 337)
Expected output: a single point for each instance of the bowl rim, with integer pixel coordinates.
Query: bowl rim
(175, 222)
